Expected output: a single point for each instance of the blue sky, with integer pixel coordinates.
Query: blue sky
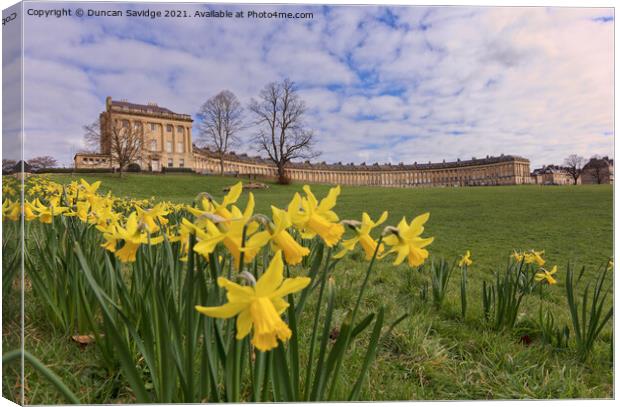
(398, 84)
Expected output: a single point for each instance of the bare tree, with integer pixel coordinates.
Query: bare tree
(126, 143)
(92, 136)
(38, 163)
(221, 120)
(574, 166)
(282, 135)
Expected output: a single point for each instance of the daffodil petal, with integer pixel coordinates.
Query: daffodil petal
(291, 285)
(272, 278)
(228, 310)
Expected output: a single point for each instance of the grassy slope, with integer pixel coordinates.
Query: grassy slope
(433, 354)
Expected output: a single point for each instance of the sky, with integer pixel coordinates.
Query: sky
(382, 84)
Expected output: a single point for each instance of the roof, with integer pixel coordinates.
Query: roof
(150, 109)
(232, 156)
(599, 162)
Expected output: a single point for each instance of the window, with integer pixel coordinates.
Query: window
(169, 146)
(125, 123)
(180, 146)
(180, 129)
(181, 163)
(169, 128)
(153, 145)
(170, 163)
(153, 127)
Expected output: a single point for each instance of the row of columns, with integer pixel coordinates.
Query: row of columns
(504, 173)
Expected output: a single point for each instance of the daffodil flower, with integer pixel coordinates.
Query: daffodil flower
(11, 210)
(258, 308)
(150, 217)
(230, 233)
(81, 211)
(210, 206)
(90, 189)
(280, 238)
(535, 257)
(369, 245)
(407, 243)
(546, 276)
(133, 235)
(313, 218)
(466, 260)
(46, 213)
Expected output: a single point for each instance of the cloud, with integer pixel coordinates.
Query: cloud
(380, 83)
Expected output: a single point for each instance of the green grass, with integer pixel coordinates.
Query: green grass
(433, 354)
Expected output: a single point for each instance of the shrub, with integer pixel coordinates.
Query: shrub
(134, 167)
(177, 170)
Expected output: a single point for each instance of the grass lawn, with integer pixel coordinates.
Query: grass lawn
(433, 354)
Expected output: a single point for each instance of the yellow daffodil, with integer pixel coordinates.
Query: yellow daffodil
(546, 276)
(407, 243)
(466, 260)
(518, 257)
(534, 257)
(11, 210)
(133, 235)
(280, 238)
(230, 233)
(151, 217)
(369, 245)
(47, 213)
(90, 188)
(81, 211)
(313, 218)
(258, 308)
(210, 206)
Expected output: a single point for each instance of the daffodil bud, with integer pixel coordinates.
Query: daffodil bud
(249, 277)
(204, 195)
(390, 230)
(213, 218)
(353, 224)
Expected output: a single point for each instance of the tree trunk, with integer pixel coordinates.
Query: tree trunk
(282, 179)
(221, 164)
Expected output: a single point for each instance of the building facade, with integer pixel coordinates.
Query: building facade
(552, 175)
(502, 170)
(168, 143)
(167, 136)
(598, 171)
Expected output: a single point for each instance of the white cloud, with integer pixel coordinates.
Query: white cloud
(399, 83)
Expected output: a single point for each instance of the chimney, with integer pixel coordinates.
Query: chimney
(108, 102)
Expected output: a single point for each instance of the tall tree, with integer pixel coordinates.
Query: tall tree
(282, 133)
(126, 143)
(574, 166)
(38, 163)
(221, 118)
(92, 136)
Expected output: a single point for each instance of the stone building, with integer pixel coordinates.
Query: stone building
(167, 136)
(502, 170)
(552, 175)
(598, 171)
(168, 143)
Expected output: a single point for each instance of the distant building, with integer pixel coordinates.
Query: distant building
(552, 175)
(598, 171)
(168, 143)
(167, 136)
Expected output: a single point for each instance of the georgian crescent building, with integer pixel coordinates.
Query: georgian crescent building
(168, 144)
